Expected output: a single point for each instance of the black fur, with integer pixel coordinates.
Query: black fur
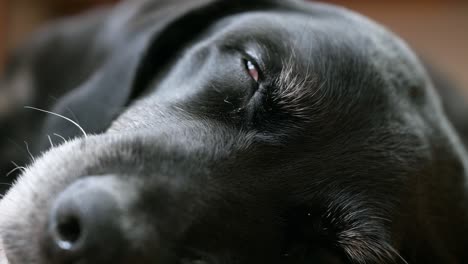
(341, 153)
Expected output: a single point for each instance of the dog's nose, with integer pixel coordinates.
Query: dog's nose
(84, 225)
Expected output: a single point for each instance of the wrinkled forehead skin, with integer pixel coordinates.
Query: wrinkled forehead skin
(197, 160)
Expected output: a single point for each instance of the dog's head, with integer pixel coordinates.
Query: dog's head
(242, 132)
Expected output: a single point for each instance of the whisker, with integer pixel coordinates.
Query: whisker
(15, 169)
(14, 163)
(72, 114)
(50, 141)
(57, 135)
(61, 116)
(29, 152)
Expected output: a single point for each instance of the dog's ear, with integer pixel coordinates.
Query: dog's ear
(145, 35)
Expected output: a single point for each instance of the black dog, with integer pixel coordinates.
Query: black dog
(229, 132)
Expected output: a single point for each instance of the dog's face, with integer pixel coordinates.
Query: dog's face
(274, 136)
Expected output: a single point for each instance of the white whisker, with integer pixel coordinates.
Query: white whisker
(13, 170)
(50, 141)
(61, 116)
(57, 135)
(29, 152)
(17, 167)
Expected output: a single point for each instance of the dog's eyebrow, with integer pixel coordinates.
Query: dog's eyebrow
(294, 92)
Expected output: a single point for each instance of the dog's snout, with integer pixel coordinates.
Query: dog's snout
(84, 225)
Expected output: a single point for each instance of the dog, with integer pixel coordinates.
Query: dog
(210, 131)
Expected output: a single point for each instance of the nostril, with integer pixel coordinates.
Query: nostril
(67, 232)
(84, 224)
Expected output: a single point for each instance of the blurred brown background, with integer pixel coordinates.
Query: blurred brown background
(18, 18)
(437, 29)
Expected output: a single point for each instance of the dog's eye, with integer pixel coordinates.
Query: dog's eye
(252, 70)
